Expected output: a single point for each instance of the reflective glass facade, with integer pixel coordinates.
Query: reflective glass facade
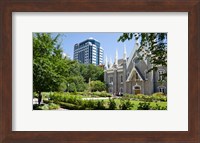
(89, 52)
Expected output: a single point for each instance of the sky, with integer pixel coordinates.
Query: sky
(108, 42)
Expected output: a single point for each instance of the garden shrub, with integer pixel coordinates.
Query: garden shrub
(147, 98)
(87, 93)
(100, 105)
(37, 107)
(65, 97)
(112, 104)
(128, 96)
(53, 106)
(45, 95)
(80, 93)
(44, 107)
(90, 104)
(159, 96)
(144, 106)
(46, 101)
(125, 104)
(97, 85)
(105, 94)
(158, 107)
(140, 97)
(69, 106)
(101, 94)
(35, 95)
(50, 106)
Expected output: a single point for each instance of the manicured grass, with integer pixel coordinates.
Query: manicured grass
(76, 101)
(136, 103)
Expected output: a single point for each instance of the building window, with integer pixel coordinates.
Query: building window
(160, 75)
(161, 89)
(121, 78)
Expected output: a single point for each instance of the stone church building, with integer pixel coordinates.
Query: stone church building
(129, 75)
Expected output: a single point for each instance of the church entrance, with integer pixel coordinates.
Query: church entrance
(137, 89)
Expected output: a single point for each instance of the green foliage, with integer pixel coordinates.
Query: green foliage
(76, 83)
(144, 106)
(112, 104)
(100, 94)
(147, 98)
(53, 72)
(62, 87)
(139, 97)
(90, 104)
(46, 94)
(128, 96)
(50, 106)
(92, 72)
(76, 101)
(97, 86)
(72, 87)
(125, 104)
(159, 96)
(69, 106)
(84, 105)
(158, 107)
(44, 107)
(47, 55)
(66, 97)
(35, 95)
(153, 47)
(53, 106)
(100, 105)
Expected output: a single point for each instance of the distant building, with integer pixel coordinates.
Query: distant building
(129, 75)
(89, 52)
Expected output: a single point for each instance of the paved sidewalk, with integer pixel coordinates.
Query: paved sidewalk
(95, 98)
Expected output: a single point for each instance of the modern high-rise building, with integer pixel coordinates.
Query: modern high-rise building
(89, 52)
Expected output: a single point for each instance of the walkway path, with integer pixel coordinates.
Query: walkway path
(95, 98)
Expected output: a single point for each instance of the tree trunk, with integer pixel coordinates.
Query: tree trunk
(39, 97)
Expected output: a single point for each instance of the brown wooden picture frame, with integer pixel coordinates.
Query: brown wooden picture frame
(9, 6)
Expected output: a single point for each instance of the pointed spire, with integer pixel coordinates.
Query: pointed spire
(124, 56)
(116, 57)
(110, 63)
(106, 62)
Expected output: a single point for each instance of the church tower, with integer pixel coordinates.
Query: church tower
(116, 58)
(124, 69)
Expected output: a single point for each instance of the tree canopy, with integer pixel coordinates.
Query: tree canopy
(153, 46)
(47, 55)
(53, 72)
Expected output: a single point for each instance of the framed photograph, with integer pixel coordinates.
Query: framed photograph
(99, 71)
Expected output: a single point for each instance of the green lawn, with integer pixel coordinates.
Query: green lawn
(136, 103)
(76, 101)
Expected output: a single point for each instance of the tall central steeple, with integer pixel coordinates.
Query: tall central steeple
(110, 63)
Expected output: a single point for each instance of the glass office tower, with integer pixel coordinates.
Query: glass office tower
(89, 52)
